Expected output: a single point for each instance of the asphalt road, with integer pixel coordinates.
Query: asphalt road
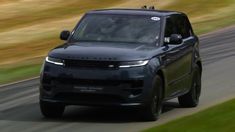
(19, 109)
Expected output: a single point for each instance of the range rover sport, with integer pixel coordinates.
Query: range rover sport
(123, 57)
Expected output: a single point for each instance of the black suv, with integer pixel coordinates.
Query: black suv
(123, 57)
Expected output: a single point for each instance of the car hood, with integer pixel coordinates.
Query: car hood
(103, 51)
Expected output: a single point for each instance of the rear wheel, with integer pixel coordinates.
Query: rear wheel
(191, 99)
(51, 110)
(153, 109)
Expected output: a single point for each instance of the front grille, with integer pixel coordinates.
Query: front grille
(91, 64)
(106, 83)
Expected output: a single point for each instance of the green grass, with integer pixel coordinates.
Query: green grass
(214, 24)
(220, 118)
(19, 72)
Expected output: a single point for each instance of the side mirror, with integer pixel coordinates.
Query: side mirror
(176, 39)
(64, 35)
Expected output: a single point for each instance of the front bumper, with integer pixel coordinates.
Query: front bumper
(95, 87)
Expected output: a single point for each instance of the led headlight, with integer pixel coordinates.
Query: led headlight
(133, 64)
(54, 61)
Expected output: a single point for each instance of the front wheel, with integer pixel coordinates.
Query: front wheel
(51, 110)
(191, 99)
(153, 109)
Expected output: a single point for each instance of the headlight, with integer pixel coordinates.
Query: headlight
(54, 61)
(133, 64)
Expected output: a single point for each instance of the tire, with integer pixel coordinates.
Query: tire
(191, 99)
(153, 108)
(51, 110)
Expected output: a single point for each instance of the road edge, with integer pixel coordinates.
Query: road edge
(20, 81)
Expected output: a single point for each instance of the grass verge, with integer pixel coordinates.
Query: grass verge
(12, 74)
(219, 118)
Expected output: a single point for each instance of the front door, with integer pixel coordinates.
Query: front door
(178, 58)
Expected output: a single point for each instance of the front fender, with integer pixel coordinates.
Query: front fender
(153, 66)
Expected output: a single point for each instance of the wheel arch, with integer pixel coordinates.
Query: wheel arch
(161, 74)
(199, 64)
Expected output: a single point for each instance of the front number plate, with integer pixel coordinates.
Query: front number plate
(88, 89)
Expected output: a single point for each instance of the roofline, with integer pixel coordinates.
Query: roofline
(169, 12)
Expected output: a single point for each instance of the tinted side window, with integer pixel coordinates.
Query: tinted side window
(188, 26)
(183, 26)
(178, 24)
(170, 27)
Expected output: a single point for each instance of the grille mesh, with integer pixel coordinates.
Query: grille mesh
(91, 64)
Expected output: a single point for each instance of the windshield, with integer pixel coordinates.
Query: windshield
(118, 28)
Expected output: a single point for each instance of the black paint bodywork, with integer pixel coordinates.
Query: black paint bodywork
(120, 86)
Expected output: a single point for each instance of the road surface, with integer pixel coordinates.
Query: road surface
(19, 109)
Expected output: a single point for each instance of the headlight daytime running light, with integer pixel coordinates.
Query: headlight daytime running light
(54, 61)
(133, 64)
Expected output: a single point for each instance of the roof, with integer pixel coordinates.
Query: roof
(134, 12)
